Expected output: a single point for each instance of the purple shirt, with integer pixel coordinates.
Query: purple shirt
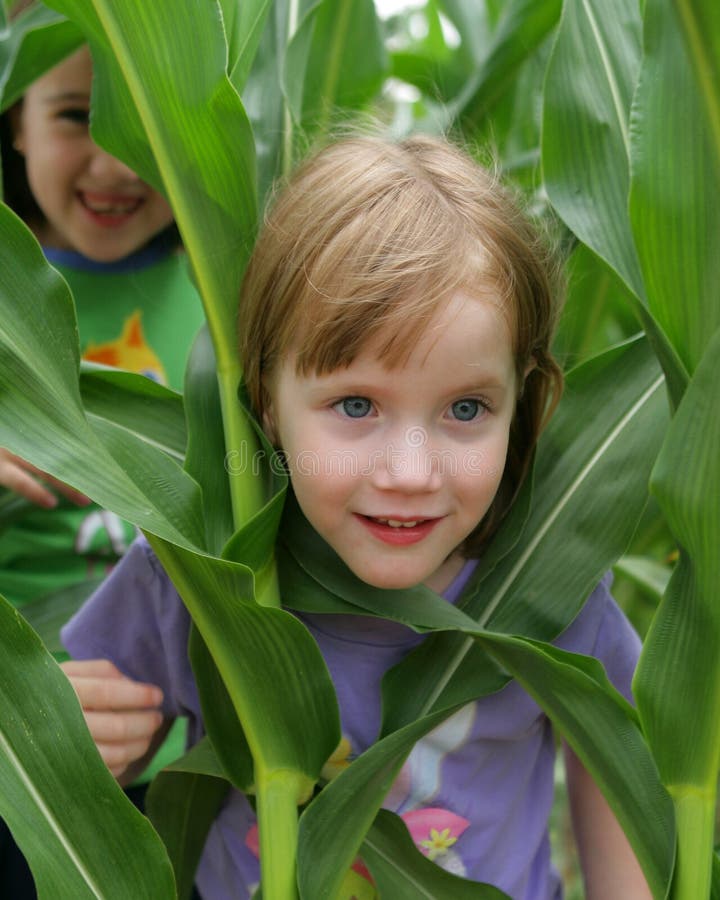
(475, 794)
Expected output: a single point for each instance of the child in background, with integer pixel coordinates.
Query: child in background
(113, 238)
(398, 311)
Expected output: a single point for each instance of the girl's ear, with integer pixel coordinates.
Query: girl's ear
(16, 127)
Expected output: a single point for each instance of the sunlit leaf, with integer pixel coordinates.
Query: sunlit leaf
(33, 44)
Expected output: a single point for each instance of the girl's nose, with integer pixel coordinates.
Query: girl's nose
(108, 168)
(409, 463)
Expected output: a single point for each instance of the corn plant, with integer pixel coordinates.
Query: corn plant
(208, 102)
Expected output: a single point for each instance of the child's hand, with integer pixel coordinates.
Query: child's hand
(24, 479)
(123, 715)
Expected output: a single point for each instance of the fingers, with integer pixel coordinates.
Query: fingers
(101, 686)
(14, 476)
(123, 738)
(122, 715)
(24, 479)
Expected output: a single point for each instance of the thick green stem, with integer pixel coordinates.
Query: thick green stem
(695, 816)
(277, 812)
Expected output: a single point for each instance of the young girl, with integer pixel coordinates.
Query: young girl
(396, 320)
(113, 239)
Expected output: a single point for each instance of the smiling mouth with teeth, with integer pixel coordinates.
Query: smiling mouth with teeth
(396, 523)
(108, 205)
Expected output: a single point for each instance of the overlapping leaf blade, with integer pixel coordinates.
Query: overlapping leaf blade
(402, 872)
(346, 64)
(676, 171)
(680, 668)
(586, 133)
(81, 835)
(586, 145)
(144, 408)
(523, 26)
(31, 45)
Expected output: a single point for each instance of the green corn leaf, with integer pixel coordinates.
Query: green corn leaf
(48, 614)
(587, 146)
(265, 103)
(244, 24)
(205, 460)
(679, 667)
(182, 804)
(346, 64)
(601, 727)
(597, 311)
(402, 872)
(147, 410)
(646, 573)
(296, 33)
(575, 692)
(81, 835)
(675, 142)
(281, 692)
(41, 414)
(586, 135)
(271, 667)
(475, 23)
(219, 717)
(521, 29)
(340, 816)
(31, 45)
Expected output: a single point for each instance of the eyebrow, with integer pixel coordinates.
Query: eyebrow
(68, 97)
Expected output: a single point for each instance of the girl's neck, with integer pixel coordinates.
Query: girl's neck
(442, 578)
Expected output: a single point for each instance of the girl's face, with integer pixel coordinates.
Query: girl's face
(91, 201)
(394, 467)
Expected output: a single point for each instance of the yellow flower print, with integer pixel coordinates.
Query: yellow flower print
(438, 843)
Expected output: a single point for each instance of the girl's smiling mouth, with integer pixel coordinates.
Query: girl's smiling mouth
(109, 208)
(399, 530)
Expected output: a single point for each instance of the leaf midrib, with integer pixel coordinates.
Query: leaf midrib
(52, 821)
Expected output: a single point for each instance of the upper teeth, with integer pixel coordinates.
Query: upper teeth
(111, 208)
(395, 523)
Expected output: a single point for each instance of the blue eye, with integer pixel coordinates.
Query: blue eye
(354, 407)
(465, 410)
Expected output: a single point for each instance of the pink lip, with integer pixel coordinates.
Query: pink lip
(399, 537)
(109, 219)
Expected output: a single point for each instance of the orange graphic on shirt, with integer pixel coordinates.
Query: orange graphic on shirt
(130, 351)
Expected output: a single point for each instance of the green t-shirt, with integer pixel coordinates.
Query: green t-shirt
(140, 314)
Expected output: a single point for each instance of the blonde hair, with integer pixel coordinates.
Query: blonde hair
(369, 239)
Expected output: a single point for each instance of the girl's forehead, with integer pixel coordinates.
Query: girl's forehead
(71, 76)
(464, 330)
